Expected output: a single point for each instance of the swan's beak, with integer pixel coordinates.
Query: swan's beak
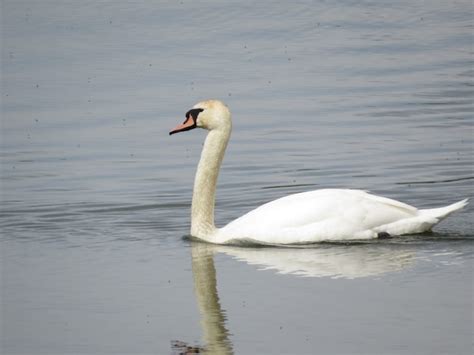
(185, 126)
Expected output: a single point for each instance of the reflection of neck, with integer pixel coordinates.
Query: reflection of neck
(204, 193)
(205, 287)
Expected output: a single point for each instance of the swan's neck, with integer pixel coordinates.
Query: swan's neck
(204, 193)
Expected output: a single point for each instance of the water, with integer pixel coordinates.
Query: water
(96, 195)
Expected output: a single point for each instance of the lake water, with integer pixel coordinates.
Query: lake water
(95, 196)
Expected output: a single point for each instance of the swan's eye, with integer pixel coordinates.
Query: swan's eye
(193, 113)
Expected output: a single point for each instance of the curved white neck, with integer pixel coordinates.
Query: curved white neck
(204, 193)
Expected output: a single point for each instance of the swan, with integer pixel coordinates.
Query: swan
(301, 218)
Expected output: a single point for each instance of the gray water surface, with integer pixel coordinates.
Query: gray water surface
(95, 195)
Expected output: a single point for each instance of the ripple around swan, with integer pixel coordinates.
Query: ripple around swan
(436, 181)
(355, 259)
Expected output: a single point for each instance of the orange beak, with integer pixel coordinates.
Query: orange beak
(185, 126)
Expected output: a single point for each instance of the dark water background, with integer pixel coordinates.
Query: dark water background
(95, 195)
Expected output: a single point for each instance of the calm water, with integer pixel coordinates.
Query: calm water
(95, 195)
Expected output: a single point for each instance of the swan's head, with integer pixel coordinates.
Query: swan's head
(210, 115)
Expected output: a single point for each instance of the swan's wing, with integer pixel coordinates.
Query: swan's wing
(388, 202)
(343, 211)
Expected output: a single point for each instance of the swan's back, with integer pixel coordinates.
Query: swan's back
(318, 215)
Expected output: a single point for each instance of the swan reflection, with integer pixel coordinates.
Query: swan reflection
(336, 261)
(333, 260)
(213, 319)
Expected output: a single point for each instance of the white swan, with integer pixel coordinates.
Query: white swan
(308, 217)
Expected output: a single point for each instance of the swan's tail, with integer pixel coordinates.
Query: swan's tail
(443, 212)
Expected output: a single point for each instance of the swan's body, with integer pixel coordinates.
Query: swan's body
(314, 216)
